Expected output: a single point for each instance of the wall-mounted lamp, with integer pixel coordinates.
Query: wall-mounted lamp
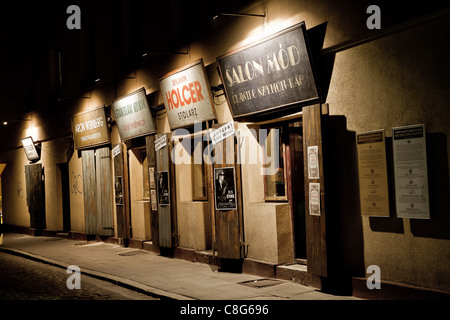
(239, 15)
(5, 123)
(244, 15)
(145, 54)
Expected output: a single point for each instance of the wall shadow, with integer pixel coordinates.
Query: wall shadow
(322, 63)
(438, 226)
(345, 245)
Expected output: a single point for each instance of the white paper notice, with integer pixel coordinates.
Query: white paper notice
(160, 142)
(410, 167)
(223, 132)
(314, 199)
(313, 162)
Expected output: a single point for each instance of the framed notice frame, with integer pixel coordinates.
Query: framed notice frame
(410, 169)
(225, 189)
(163, 188)
(372, 168)
(118, 190)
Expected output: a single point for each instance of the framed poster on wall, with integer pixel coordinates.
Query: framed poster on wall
(410, 169)
(163, 188)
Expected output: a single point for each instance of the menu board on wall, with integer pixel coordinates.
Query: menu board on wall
(373, 179)
(410, 168)
(187, 96)
(272, 74)
(90, 128)
(133, 116)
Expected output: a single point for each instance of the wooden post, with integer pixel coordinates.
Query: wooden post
(316, 244)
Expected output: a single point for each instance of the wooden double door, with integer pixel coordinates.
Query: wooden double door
(98, 192)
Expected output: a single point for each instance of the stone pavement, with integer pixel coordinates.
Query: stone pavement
(160, 276)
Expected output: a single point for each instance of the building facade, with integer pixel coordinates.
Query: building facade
(246, 140)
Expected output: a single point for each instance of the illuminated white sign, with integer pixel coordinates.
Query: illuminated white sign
(133, 116)
(187, 96)
(30, 149)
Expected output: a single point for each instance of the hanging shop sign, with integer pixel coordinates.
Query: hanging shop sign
(270, 75)
(30, 149)
(133, 116)
(90, 128)
(410, 168)
(187, 96)
(373, 179)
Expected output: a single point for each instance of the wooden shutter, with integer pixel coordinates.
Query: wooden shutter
(151, 160)
(122, 207)
(35, 186)
(167, 220)
(316, 245)
(229, 228)
(104, 191)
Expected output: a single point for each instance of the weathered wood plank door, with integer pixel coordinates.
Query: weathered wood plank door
(151, 159)
(35, 185)
(97, 185)
(315, 213)
(228, 222)
(165, 183)
(121, 192)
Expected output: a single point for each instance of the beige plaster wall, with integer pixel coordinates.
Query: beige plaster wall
(53, 153)
(396, 81)
(15, 209)
(77, 220)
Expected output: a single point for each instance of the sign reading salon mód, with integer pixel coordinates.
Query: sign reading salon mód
(133, 116)
(187, 96)
(90, 128)
(269, 75)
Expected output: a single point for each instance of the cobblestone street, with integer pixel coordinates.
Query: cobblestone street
(23, 279)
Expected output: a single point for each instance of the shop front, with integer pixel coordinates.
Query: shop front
(134, 170)
(92, 139)
(271, 90)
(182, 156)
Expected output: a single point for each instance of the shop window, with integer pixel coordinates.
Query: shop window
(275, 185)
(199, 173)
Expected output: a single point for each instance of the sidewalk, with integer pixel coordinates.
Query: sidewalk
(165, 277)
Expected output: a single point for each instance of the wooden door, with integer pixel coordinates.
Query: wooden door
(315, 210)
(166, 197)
(35, 185)
(228, 219)
(97, 189)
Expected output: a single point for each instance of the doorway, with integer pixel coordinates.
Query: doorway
(296, 189)
(35, 185)
(64, 173)
(286, 182)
